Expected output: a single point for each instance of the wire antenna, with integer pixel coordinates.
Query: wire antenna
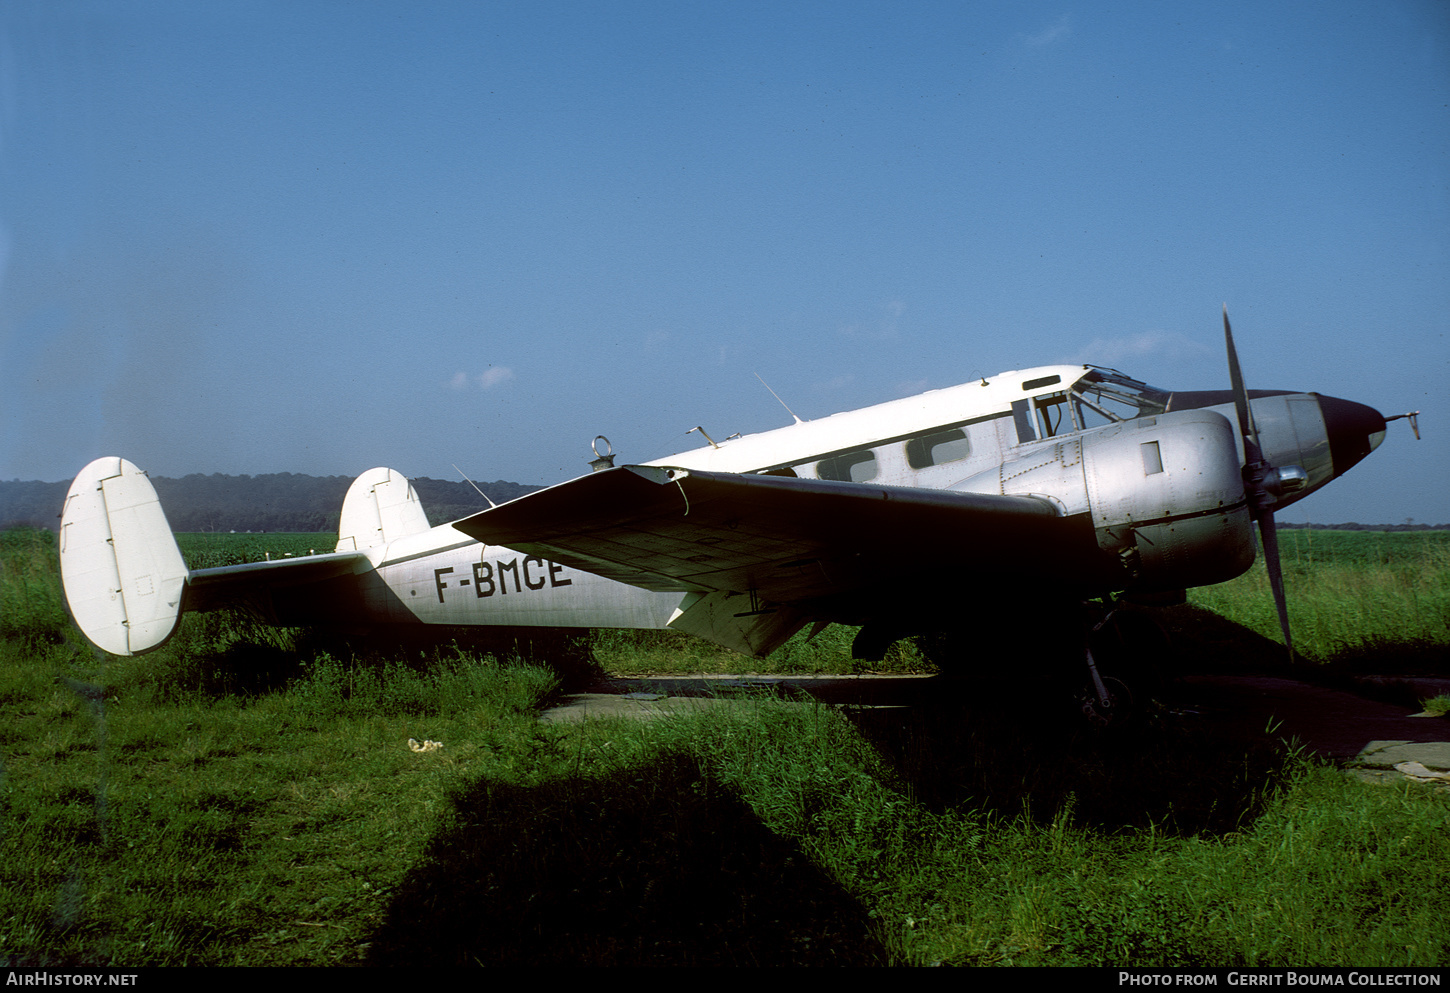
(473, 484)
(779, 400)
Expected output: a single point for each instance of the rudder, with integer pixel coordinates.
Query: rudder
(380, 506)
(119, 564)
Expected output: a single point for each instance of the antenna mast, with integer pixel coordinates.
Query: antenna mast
(473, 484)
(779, 400)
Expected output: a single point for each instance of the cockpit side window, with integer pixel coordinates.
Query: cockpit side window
(938, 448)
(1054, 411)
(1112, 396)
(852, 467)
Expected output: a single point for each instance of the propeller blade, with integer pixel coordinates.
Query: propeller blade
(1247, 428)
(1256, 472)
(1269, 535)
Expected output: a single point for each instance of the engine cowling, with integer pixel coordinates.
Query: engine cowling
(1165, 495)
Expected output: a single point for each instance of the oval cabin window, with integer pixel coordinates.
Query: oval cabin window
(853, 467)
(938, 448)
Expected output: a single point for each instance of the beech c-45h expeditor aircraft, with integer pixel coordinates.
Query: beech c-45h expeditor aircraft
(1049, 487)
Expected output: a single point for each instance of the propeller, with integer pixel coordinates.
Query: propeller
(1262, 483)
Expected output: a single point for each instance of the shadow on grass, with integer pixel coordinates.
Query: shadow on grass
(654, 865)
(1010, 738)
(1013, 738)
(1161, 770)
(1385, 670)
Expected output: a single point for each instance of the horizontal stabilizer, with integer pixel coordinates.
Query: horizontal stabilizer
(122, 572)
(230, 585)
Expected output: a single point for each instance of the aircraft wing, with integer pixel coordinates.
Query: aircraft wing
(783, 539)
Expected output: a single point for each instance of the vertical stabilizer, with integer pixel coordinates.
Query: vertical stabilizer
(122, 572)
(380, 506)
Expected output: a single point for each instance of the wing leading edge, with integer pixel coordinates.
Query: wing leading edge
(780, 539)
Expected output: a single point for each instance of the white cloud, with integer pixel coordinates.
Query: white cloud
(1114, 352)
(491, 377)
(494, 375)
(1056, 31)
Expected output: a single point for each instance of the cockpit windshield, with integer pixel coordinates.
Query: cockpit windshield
(1115, 397)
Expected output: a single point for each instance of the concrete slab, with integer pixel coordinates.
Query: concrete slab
(1434, 755)
(650, 696)
(602, 706)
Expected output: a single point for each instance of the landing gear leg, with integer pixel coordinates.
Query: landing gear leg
(1106, 700)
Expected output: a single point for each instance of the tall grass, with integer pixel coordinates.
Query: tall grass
(1348, 592)
(296, 828)
(226, 801)
(31, 602)
(148, 823)
(646, 653)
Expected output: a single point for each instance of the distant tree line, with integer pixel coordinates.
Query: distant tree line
(1409, 525)
(282, 501)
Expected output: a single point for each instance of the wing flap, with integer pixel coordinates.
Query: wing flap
(784, 539)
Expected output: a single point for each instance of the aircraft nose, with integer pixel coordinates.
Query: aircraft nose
(1354, 430)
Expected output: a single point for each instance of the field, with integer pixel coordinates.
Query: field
(245, 796)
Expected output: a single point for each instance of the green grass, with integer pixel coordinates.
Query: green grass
(296, 827)
(31, 602)
(651, 653)
(1351, 594)
(241, 797)
(213, 549)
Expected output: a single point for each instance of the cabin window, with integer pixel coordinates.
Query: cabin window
(1022, 416)
(938, 448)
(853, 467)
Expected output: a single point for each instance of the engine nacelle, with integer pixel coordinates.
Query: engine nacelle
(1165, 495)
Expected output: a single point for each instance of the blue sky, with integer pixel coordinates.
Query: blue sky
(318, 237)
